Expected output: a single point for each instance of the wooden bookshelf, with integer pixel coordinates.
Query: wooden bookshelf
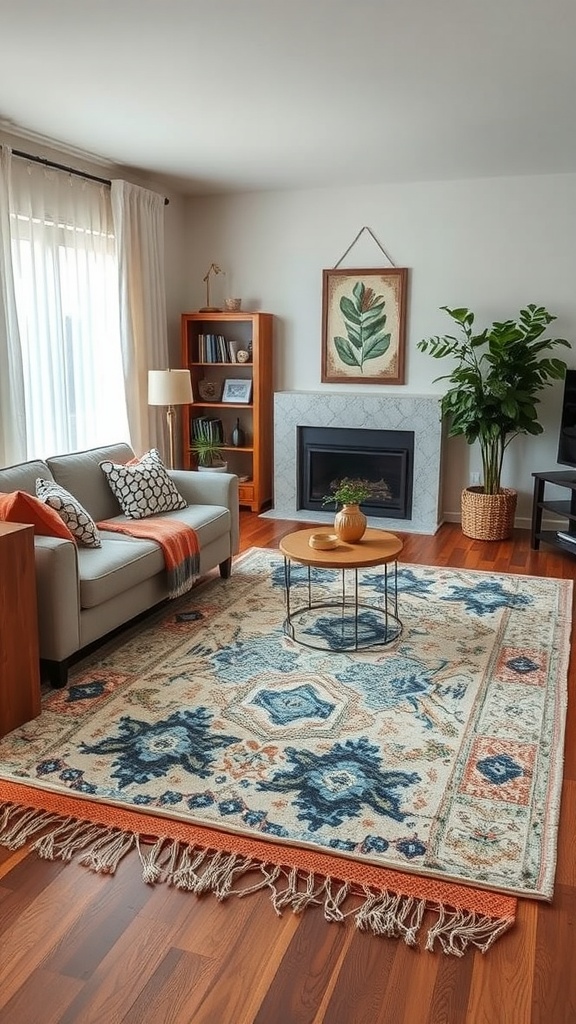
(210, 345)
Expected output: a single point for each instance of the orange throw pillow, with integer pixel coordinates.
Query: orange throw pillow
(21, 507)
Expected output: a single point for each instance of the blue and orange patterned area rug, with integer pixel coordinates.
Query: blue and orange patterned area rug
(421, 776)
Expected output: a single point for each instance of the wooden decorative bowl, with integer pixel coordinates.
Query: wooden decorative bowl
(323, 541)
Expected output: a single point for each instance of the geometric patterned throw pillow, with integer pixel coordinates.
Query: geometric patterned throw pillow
(71, 512)
(143, 488)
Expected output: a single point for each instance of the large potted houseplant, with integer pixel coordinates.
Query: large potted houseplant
(493, 397)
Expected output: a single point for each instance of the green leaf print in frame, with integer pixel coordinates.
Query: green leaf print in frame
(364, 326)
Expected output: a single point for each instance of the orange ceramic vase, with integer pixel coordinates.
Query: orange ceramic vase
(350, 523)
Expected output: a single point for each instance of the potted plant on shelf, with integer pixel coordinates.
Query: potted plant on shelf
(349, 521)
(209, 454)
(492, 398)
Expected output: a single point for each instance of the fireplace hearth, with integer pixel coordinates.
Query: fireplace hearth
(383, 459)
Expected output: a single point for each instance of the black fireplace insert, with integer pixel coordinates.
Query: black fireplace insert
(383, 459)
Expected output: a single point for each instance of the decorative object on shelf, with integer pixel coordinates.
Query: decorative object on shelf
(170, 388)
(350, 522)
(493, 397)
(210, 390)
(238, 437)
(237, 391)
(233, 305)
(212, 269)
(242, 356)
(364, 326)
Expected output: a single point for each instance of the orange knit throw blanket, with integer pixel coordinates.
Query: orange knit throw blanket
(179, 545)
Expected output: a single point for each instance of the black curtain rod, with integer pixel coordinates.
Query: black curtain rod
(69, 170)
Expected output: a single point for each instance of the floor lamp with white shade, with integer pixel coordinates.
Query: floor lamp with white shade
(170, 388)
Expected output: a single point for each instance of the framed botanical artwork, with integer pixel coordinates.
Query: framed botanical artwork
(364, 326)
(237, 391)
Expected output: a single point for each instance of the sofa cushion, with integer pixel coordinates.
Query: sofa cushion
(80, 473)
(123, 562)
(143, 488)
(77, 519)
(114, 568)
(21, 507)
(23, 477)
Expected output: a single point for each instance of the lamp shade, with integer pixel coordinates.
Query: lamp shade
(169, 387)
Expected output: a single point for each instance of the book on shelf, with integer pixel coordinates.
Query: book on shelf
(206, 428)
(215, 348)
(565, 535)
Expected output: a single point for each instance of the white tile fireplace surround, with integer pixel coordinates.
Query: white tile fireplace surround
(420, 413)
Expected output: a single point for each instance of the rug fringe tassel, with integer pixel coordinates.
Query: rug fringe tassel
(106, 853)
(18, 825)
(393, 915)
(199, 870)
(456, 930)
(63, 842)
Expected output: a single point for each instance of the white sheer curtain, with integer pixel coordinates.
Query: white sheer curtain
(65, 275)
(139, 229)
(12, 401)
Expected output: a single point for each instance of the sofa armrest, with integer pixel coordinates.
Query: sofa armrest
(211, 489)
(58, 597)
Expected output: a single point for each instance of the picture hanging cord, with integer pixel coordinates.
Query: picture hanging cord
(370, 232)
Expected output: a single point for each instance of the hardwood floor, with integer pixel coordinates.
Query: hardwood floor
(77, 948)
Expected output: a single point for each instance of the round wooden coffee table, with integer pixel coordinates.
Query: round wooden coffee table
(341, 622)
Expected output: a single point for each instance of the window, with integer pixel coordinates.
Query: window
(66, 284)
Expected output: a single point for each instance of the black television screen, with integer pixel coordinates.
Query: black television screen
(567, 440)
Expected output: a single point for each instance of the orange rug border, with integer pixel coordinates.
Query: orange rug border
(485, 902)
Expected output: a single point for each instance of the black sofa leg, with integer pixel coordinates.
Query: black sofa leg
(225, 569)
(57, 673)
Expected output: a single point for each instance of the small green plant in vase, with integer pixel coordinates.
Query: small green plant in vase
(347, 491)
(209, 453)
(349, 521)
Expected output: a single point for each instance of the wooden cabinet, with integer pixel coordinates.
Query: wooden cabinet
(211, 344)
(19, 660)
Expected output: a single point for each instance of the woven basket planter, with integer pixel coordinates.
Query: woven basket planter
(488, 516)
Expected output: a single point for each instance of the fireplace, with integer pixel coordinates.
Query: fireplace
(385, 410)
(383, 459)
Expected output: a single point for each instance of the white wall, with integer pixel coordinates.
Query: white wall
(493, 245)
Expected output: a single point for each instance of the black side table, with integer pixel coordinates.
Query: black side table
(566, 509)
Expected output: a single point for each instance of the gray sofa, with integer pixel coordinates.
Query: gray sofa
(84, 593)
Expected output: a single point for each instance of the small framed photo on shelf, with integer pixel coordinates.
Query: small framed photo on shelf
(239, 391)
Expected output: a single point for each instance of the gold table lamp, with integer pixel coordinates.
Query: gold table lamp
(170, 388)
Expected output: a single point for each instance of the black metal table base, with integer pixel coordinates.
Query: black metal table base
(346, 623)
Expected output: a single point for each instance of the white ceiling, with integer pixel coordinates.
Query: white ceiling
(235, 95)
